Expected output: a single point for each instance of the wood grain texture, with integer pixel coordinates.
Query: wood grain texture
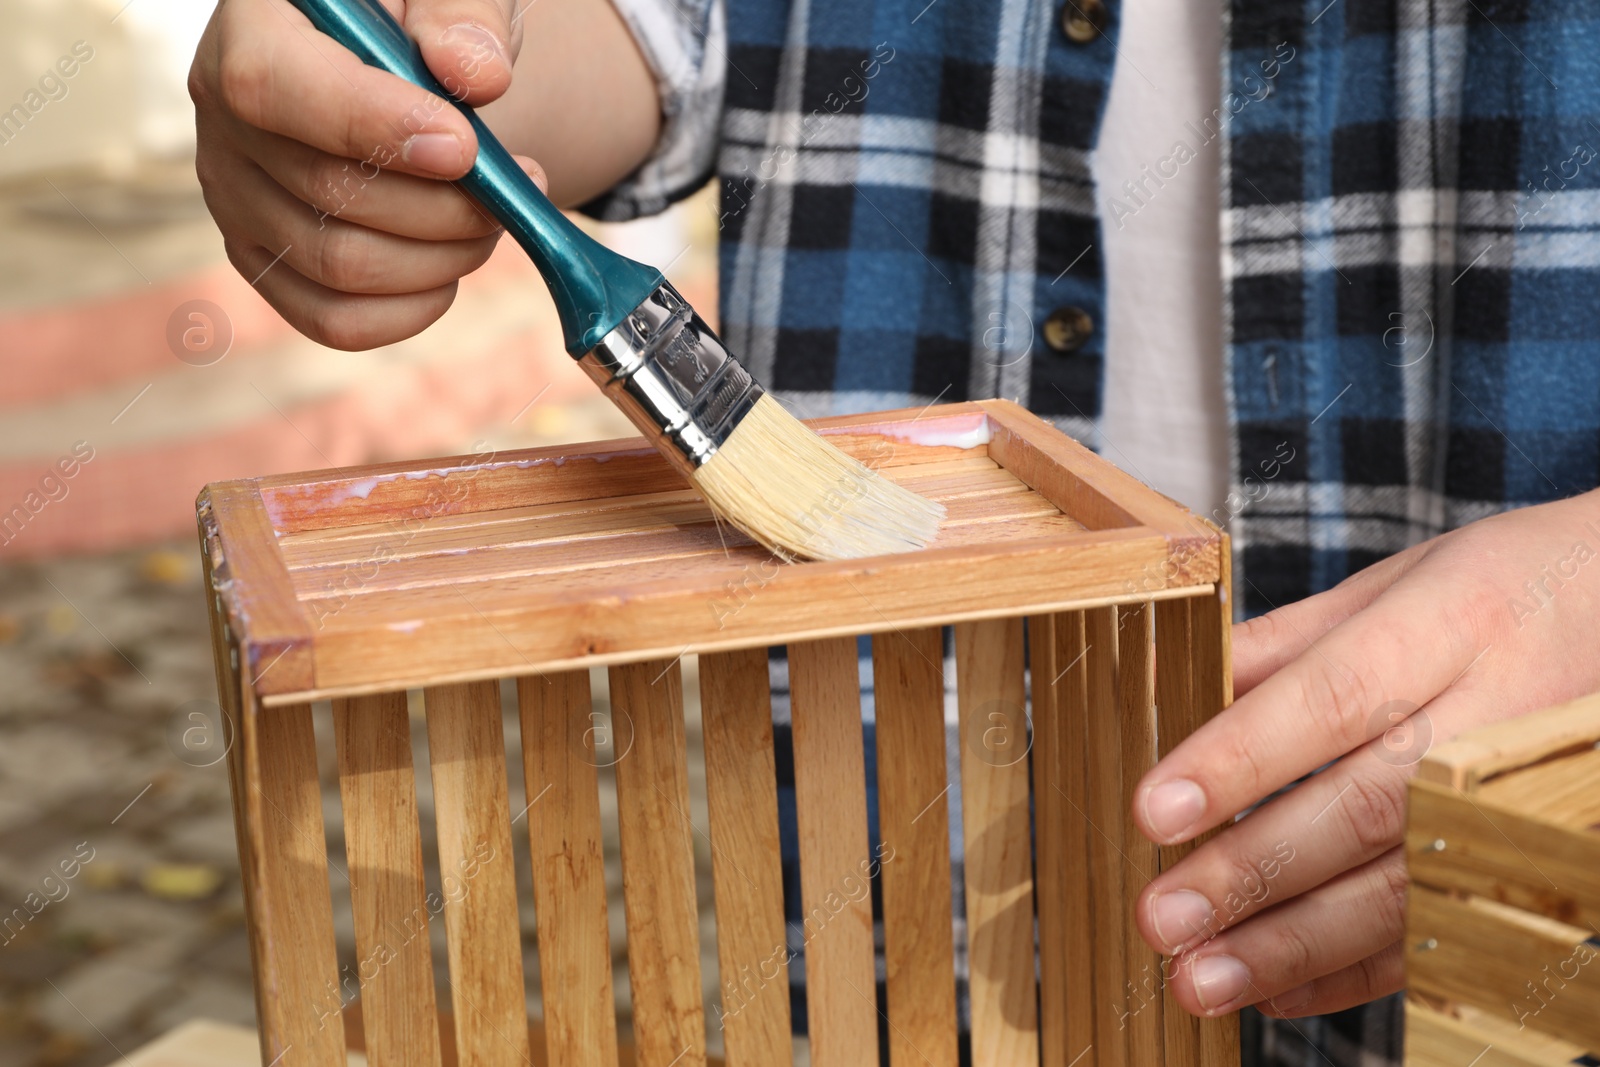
(1061, 802)
(964, 474)
(1101, 496)
(1436, 1039)
(458, 485)
(569, 892)
(234, 698)
(463, 569)
(1108, 872)
(1483, 753)
(388, 895)
(447, 1031)
(1050, 859)
(975, 491)
(1495, 852)
(1561, 789)
(1177, 716)
(466, 747)
(995, 825)
(271, 629)
(746, 863)
(835, 862)
(914, 826)
(1526, 969)
(658, 865)
(284, 862)
(426, 635)
(564, 557)
(1143, 1003)
(1211, 630)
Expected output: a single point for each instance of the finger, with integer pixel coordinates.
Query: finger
(1378, 975)
(1264, 645)
(468, 44)
(338, 320)
(338, 254)
(278, 73)
(360, 191)
(1339, 819)
(1407, 645)
(1318, 933)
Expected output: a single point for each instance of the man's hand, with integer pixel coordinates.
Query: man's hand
(1298, 908)
(324, 174)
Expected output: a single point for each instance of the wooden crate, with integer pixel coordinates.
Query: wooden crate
(358, 585)
(1503, 913)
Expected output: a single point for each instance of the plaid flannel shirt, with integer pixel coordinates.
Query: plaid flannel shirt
(1412, 274)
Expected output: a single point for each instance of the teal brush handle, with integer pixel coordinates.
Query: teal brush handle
(594, 288)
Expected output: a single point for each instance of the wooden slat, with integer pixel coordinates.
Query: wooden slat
(1108, 877)
(1211, 630)
(914, 826)
(256, 588)
(383, 846)
(612, 534)
(562, 560)
(995, 826)
(382, 617)
(1136, 707)
(831, 802)
(341, 593)
(569, 891)
(658, 865)
(1516, 742)
(466, 747)
(746, 864)
(1094, 491)
(394, 637)
(1526, 969)
(1437, 1040)
(1502, 854)
(284, 862)
(490, 481)
(1050, 856)
(1177, 716)
(1061, 801)
(952, 481)
(1564, 789)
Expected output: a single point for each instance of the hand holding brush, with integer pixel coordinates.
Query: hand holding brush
(662, 365)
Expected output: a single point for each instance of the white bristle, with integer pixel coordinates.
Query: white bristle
(779, 482)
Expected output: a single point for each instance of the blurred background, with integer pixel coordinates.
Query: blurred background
(135, 357)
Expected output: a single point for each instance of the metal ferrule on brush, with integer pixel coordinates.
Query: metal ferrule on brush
(671, 375)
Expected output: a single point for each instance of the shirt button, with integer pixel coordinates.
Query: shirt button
(1082, 20)
(1067, 328)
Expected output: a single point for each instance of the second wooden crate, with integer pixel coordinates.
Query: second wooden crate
(1503, 914)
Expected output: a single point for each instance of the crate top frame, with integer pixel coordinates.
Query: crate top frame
(391, 576)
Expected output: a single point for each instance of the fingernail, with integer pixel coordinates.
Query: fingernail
(1179, 917)
(1218, 981)
(478, 42)
(1294, 999)
(438, 153)
(1172, 807)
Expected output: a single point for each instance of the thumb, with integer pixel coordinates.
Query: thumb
(468, 44)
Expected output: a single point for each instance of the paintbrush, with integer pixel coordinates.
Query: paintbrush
(758, 467)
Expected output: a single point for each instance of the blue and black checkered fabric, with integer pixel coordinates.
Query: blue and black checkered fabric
(1410, 254)
(1413, 272)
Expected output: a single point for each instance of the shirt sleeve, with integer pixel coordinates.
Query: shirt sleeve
(684, 42)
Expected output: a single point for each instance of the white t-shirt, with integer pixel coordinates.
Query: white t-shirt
(1164, 420)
